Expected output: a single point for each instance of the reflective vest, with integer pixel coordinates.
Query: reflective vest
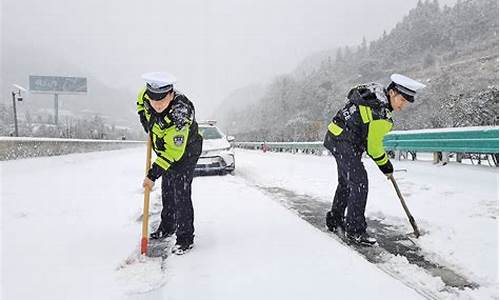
(364, 121)
(172, 131)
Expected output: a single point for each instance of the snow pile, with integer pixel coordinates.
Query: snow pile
(140, 274)
(424, 281)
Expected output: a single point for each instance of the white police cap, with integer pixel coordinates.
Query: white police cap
(158, 84)
(406, 85)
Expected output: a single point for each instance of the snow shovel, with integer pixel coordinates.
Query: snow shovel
(407, 211)
(145, 212)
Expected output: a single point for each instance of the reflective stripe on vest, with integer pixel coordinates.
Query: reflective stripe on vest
(366, 113)
(335, 129)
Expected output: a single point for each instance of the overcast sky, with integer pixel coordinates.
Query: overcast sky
(212, 47)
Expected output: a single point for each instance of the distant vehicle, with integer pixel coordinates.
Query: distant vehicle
(217, 155)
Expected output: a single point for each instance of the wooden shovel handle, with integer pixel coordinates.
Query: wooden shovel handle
(145, 212)
(407, 211)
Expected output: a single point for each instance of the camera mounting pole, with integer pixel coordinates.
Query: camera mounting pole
(16, 92)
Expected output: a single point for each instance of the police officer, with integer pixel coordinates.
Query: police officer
(169, 118)
(360, 126)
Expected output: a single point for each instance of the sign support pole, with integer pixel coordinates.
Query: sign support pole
(56, 108)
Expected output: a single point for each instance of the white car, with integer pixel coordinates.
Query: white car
(217, 155)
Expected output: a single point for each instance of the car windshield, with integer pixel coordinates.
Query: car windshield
(210, 133)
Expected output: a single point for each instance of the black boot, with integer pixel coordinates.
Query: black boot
(361, 238)
(334, 222)
(160, 234)
(182, 248)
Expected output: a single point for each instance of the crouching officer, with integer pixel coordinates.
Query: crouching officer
(169, 117)
(361, 126)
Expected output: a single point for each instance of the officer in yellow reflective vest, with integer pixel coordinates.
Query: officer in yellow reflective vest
(169, 118)
(358, 127)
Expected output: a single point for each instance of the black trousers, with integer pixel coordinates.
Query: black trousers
(352, 188)
(177, 214)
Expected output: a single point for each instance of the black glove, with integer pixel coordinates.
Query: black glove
(144, 121)
(387, 168)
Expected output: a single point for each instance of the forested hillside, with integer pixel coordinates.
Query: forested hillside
(453, 50)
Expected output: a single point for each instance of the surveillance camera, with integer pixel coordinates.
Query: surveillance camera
(17, 86)
(19, 98)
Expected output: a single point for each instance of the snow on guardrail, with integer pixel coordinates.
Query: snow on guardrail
(24, 147)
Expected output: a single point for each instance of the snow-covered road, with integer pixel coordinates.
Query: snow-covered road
(69, 222)
(250, 247)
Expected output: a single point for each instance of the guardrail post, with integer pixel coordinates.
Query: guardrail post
(446, 157)
(436, 157)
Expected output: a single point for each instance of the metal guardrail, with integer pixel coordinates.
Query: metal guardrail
(470, 140)
(293, 147)
(24, 147)
(455, 140)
